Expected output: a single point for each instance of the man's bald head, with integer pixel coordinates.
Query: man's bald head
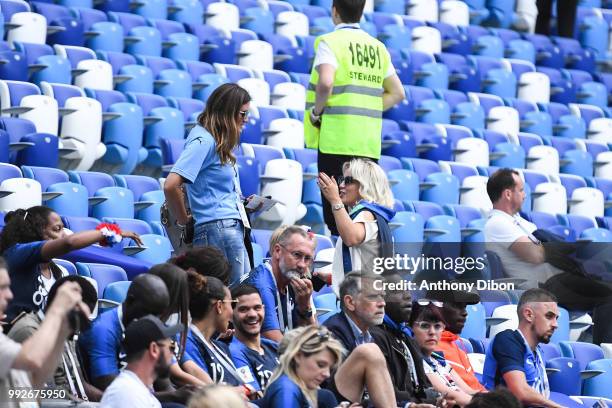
(148, 294)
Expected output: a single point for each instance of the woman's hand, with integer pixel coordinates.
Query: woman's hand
(329, 188)
(251, 210)
(134, 236)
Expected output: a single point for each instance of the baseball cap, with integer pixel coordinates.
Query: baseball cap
(454, 296)
(142, 332)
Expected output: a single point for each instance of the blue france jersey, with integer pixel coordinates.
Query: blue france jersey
(510, 352)
(101, 344)
(255, 369)
(199, 353)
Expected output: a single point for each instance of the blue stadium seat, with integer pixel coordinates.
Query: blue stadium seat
(599, 385)
(118, 203)
(116, 291)
(123, 153)
(77, 224)
(564, 375)
(441, 188)
(404, 184)
(73, 200)
(103, 274)
(142, 40)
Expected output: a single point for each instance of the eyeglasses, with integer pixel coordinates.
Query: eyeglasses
(375, 297)
(244, 114)
(346, 180)
(426, 326)
(425, 302)
(298, 256)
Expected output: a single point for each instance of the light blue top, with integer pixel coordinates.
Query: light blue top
(211, 187)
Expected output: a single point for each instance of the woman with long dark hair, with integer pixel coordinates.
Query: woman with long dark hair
(208, 168)
(210, 306)
(30, 240)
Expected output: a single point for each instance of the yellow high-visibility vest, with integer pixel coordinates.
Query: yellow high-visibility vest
(352, 121)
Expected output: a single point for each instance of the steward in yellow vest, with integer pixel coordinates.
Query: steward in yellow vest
(352, 82)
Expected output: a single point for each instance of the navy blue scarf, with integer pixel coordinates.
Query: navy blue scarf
(383, 215)
(402, 327)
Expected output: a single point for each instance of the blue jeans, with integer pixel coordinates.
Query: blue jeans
(227, 236)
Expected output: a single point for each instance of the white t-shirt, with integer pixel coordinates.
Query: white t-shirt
(362, 254)
(501, 231)
(128, 391)
(325, 55)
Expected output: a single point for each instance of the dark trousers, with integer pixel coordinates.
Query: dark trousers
(331, 164)
(576, 292)
(566, 16)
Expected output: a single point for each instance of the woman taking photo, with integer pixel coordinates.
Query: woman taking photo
(308, 355)
(30, 240)
(427, 325)
(364, 228)
(208, 168)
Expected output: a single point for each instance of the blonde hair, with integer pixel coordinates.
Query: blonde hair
(307, 340)
(216, 396)
(373, 182)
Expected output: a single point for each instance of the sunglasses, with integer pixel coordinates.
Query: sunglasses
(426, 326)
(345, 180)
(425, 302)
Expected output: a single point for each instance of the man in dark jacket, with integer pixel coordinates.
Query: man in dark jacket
(364, 365)
(404, 361)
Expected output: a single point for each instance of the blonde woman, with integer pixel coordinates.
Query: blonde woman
(308, 355)
(364, 227)
(208, 168)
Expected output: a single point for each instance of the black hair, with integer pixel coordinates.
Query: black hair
(242, 290)
(205, 260)
(88, 291)
(175, 279)
(3, 264)
(499, 398)
(428, 313)
(203, 292)
(23, 226)
(350, 11)
(532, 296)
(499, 181)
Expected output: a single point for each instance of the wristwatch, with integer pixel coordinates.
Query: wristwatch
(337, 206)
(305, 315)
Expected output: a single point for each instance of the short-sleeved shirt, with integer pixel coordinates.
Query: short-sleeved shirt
(29, 288)
(325, 55)
(208, 360)
(127, 390)
(256, 369)
(501, 231)
(362, 254)
(284, 393)
(102, 344)
(10, 378)
(510, 352)
(263, 279)
(211, 186)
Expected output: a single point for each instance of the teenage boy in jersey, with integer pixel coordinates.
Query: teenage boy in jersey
(515, 360)
(352, 82)
(285, 289)
(255, 357)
